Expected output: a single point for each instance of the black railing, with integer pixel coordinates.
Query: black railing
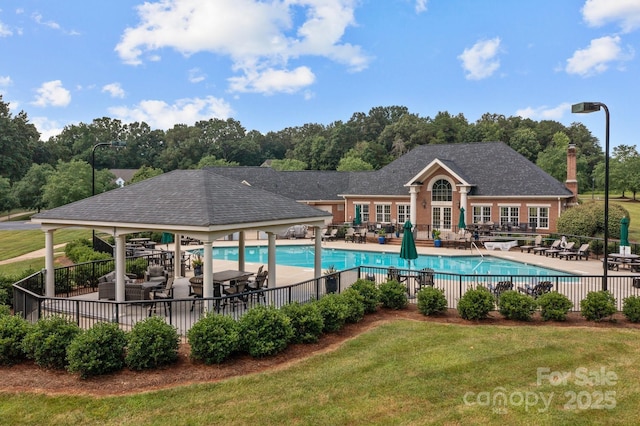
(30, 303)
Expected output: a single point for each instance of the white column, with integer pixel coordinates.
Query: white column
(207, 269)
(241, 247)
(317, 254)
(177, 269)
(271, 259)
(121, 267)
(463, 201)
(50, 283)
(413, 191)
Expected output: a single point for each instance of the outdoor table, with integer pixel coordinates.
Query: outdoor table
(625, 260)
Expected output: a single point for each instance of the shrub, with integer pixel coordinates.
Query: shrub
(214, 338)
(431, 301)
(334, 312)
(554, 306)
(516, 306)
(597, 305)
(475, 304)
(306, 320)
(4, 309)
(12, 330)
(138, 267)
(47, 340)
(370, 292)
(631, 308)
(355, 304)
(99, 350)
(393, 295)
(264, 331)
(151, 343)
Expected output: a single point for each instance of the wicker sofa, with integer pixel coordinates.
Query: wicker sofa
(132, 291)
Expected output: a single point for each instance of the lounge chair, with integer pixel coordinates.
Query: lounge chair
(542, 249)
(583, 252)
(536, 290)
(536, 243)
(500, 288)
(568, 251)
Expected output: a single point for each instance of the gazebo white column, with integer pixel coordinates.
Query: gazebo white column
(271, 259)
(50, 283)
(413, 191)
(207, 270)
(317, 253)
(177, 248)
(241, 247)
(464, 190)
(121, 267)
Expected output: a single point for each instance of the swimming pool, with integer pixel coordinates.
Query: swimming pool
(302, 256)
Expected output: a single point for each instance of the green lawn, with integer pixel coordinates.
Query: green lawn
(403, 372)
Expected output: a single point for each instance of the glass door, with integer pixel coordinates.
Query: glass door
(441, 218)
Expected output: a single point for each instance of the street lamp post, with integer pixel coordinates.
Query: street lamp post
(585, 108)
(93, 175)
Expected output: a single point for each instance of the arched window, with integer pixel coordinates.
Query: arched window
(441, 191)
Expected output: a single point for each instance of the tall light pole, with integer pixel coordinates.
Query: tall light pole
(585, 108)
(93, 175)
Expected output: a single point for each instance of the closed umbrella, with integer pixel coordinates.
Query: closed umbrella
(356, 220)
(624, 232)
(408, 246)
(461, 224)
(167, 238)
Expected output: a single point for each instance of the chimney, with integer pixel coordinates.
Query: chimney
(572, 181)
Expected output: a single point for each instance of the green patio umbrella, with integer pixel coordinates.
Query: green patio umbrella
(357, 221)
(408, 246)
(624, 232)
(461, 224)
(167, 238)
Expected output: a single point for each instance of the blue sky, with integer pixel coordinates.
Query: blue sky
(275, 64)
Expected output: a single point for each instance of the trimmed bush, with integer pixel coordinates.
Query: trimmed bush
(152, 343)
(214, 338)
(5, 310)
(306, 320)
(370, 292)
(12, 330)
(598, 305)
(334, 312)
(99, 350)
(264, 331)
(431, 301)
(554, 306)
(393, 295)
(516, 306)
(476, 304)
(47, 340)
(355, 303)
(631, 308)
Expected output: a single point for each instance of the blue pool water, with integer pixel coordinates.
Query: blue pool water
(302, 256)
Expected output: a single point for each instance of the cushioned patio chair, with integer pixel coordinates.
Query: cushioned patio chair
(156, 273)
(165, 294)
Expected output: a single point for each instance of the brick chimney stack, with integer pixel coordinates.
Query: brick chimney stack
(572, 181)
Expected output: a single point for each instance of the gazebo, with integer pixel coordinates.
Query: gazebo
(195, 203)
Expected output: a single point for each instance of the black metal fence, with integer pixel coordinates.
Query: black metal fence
(31, 304)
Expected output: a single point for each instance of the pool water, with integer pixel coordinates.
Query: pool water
(302, 256)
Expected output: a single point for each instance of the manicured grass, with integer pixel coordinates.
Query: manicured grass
(403, 372)
(16, 243)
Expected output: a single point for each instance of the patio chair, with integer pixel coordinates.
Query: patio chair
(583, 252)
(156, 273)
(536, 290)
(165, 294)
(500, 287)
(542, 249)
(350, 235)
(393, 274)
(424, 279)
(568, 252)
(536, 243)
(238, 290)
(258, 285)
(561, 252)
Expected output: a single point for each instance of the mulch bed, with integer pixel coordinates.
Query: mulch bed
(27, 377)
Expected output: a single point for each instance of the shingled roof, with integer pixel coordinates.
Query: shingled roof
(199, 199)
(491, 168)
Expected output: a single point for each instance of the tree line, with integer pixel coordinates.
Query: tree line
(37, 174)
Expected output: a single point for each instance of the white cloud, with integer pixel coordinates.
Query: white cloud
(544, 112)
(421, 6)
(51, 24)
(270, 81)
(5, 81)
(596, 58)
(5, 31)
(480, 61)
(600, 12)
(52, 93)
(159, 114)
(196, 75)
(47, 128)
(259, 36)
(114, 89)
